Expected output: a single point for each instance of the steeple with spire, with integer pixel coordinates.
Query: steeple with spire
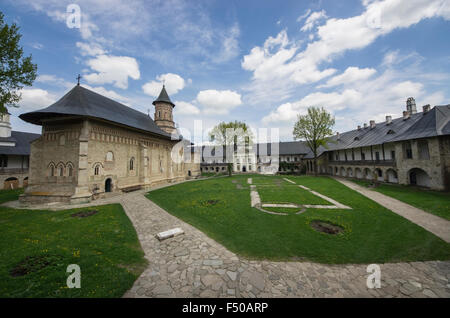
(163, 111)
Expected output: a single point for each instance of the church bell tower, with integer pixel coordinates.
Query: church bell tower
(163, 112)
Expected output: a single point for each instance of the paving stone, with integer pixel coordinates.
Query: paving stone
(232, 275)
(172, 268)
(162, 290)
(231, 292)
(212, 262)
(209, 280)
(255, 279)
(181, 251)
(429, 293)
(208, 294)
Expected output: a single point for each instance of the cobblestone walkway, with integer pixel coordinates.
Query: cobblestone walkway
(430, 222)
(193, 265)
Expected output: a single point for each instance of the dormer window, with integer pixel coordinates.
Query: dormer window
(356, 138)
(390, 132)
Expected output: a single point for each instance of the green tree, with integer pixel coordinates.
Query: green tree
(315, 129)
(231, 135)
(16, 71)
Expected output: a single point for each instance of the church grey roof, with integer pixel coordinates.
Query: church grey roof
(80, 101)
(435, 122)
(22, 143)
(163, 97)
(284, 148)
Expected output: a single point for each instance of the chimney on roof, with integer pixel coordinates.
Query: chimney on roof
(411, 105)
(338, 136)
(359, 127)
(405, 115)
(388, 119)
(365, 125)
(372, 124)
(426, 108)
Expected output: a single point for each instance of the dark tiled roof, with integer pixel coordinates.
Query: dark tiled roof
(22, 143)
(435, 122)
(163, 97)
(293, 148)
(284, 148)
(80, 101)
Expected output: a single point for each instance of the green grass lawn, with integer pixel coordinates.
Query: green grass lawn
(104, 245)
(10, 195)
(372, 233)
(435, 202)
(277, 190)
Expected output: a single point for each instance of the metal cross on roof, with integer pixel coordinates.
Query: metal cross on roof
(78, 79)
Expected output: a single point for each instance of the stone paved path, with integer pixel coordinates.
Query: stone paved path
(193, 265)
(430, 222)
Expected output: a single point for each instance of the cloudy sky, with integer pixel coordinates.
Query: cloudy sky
(262, 62)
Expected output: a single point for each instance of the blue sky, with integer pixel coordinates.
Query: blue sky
(262, 62)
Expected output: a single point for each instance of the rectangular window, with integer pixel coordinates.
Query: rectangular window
(363, 156)
(424, 153)
(377, 156)
(409, 153)
(407, 150)
(393, 154)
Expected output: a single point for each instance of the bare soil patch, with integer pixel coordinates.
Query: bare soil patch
(83, 214)
(326, 227)
(33, 264)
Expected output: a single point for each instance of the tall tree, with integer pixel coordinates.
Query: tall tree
(16, 71)
(315, 129)
(231, 135)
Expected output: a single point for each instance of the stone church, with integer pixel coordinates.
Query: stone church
(91, 145)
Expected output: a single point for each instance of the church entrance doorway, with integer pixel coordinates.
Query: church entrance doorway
(108, 185)
(244, 169)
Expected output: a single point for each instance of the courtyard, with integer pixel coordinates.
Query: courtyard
(220, 207)
(229, 249)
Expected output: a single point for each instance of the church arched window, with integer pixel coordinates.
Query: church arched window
(69, 170)
(51, 170)
(97, 170)
(132, 163)
(60, 170)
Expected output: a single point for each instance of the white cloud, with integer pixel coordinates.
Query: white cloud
(112, 70)
(230, 45)
(350, 75)
(90, 49)
(313, 20)
(331, 101)
(60, 15)
(35, 98)
(185, 108)
(218, 102)
(303, 16)
(173, 82)
(288, 67)
(37, 45)
(54, 80)
(358, 102)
